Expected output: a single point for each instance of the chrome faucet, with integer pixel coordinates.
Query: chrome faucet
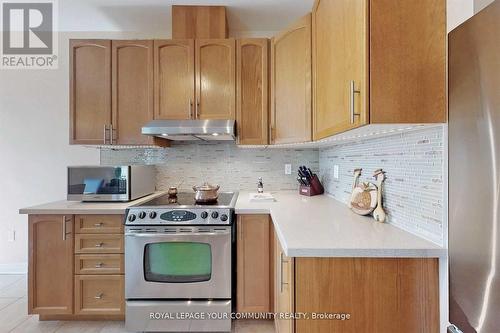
(260, 186)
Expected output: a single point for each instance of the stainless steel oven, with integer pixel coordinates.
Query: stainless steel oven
(178, 269)
(192, 262)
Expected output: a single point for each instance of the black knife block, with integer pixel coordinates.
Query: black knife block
(315, 187)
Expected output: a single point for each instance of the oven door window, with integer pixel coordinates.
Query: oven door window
(177, 262)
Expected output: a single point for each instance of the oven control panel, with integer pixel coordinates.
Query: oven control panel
(178, 216)
(149, 216)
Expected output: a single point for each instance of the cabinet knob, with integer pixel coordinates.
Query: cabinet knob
(99, 245)
(98, 225)
(99, 296)
(99, 265)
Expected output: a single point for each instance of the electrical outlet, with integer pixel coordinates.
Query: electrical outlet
(288, 169)
(336, 171)
(11, 236)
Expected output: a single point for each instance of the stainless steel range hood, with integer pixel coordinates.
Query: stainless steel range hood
(192, 130)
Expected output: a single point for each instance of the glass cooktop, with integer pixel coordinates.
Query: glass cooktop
(186, 199)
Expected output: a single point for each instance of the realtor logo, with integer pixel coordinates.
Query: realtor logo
(28, 34)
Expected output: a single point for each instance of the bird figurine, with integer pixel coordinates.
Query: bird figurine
(379, 213)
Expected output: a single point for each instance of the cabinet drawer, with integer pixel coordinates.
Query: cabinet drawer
(98, 224)
(92, 243)
(99, 295)
(99, 264)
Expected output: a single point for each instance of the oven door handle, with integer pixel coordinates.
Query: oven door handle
(187, 234)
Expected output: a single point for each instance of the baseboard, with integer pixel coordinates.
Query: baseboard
(14, 268)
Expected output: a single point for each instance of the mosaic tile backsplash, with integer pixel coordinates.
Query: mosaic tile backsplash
(187, 164)
(413, 192)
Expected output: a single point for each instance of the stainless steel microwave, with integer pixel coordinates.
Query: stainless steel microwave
(110, 183)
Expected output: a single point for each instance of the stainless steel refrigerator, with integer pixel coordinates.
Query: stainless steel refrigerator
(474, 173)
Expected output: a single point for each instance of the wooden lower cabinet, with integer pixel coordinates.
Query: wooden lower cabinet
(253, 264)
(74, 274)
(99, 294)
(50, 269)
(379, 294)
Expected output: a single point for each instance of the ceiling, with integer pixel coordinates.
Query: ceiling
(155, 15)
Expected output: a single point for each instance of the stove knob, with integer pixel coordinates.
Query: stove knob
(152, 215)
(223, 217)
(204, 215)
(142, 215)
(215, 215)
(131, 218)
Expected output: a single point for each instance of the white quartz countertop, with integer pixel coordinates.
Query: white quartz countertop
(78, 207)
(318, 226)
(321, 226)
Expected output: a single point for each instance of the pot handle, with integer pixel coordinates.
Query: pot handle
(195, 189)
(218, 187)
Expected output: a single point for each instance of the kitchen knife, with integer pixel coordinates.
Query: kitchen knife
(310, 172)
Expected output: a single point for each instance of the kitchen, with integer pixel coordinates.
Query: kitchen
(163, 123)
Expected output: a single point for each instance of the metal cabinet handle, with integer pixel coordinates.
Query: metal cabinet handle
(64, 228)
(99, 296)
(99, 245)
(98, 225)
(197, 109)
(105, 137)
(352, 92)
(99, 265)
(113, 135)
(282, 261)
(190, 109)
(64, 231)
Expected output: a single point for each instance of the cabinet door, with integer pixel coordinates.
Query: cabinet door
(408, 61)
(339, 37)
(252, 107)
(379, 294)
(50, 269)
(132, 90)
(174, 79)
(215, 79)
(284, 289)
(291, 84)
(253, 264)
(90, 91)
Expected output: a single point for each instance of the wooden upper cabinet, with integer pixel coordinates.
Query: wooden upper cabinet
(132, 90)
(252, 105)
(90, 90)
(291, 84)
(215, 79)
(174, 79)
(50, 269)
(340, 55)
(377, 61)
(408, 61)
(253, 264)
(192, 22)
